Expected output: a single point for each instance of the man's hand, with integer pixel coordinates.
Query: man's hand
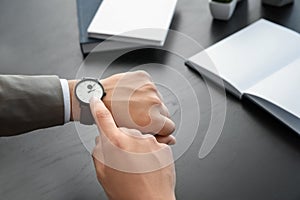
(135, 103)
(130, 165)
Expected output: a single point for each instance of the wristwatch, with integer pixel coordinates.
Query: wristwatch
(85, 89)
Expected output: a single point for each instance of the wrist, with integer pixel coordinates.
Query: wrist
(75, 106)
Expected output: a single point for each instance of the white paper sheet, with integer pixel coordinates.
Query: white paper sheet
(281, 88)
(252, 54)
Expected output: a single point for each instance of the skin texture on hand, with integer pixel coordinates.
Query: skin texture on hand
(130, 165)
(135, 103)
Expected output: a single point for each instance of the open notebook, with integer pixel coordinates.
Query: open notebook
(261, 62)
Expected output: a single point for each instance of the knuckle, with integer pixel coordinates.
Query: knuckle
(142, 73)
(117, 142)
(164, 146)
(101, 114)
(150, 86)
(155, 100)
(152, 139)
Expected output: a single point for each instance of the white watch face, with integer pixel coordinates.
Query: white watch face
(88, 88)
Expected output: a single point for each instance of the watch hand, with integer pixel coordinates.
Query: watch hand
(91, 90)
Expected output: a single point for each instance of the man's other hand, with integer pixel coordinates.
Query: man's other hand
(130, 165)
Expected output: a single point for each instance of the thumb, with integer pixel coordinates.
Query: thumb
(103, 118)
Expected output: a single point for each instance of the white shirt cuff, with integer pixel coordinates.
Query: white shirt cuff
(66, 96)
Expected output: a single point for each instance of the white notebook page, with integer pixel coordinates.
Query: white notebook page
(281, 88)
(252, 54)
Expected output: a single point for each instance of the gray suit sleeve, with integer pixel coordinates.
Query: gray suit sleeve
(29, 102)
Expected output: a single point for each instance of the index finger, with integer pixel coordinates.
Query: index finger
(103, 118)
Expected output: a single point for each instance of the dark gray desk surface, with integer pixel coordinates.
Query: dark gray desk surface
(256, 157)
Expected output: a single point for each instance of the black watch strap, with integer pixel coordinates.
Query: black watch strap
(86, 116)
